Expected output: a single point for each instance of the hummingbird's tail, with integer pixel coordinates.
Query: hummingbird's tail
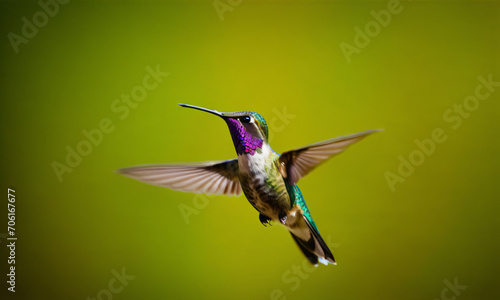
(308, 239)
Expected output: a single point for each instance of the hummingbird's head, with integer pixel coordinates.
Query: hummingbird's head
(248, 129)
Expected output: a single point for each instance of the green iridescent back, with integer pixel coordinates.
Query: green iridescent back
(298, 199)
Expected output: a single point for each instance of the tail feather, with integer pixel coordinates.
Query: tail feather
(313, 258)
(308, 238)
(327, 256)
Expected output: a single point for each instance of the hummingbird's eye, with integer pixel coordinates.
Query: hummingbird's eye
(245, 119)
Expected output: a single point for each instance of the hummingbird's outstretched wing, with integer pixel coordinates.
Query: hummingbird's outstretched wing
(299, 162)
(209, 177)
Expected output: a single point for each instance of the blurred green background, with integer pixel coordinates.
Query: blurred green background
(282, 59)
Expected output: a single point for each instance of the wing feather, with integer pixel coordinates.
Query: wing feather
(211, 177)
(299, 162)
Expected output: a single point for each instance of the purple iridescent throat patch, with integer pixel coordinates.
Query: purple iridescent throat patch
(243, 141)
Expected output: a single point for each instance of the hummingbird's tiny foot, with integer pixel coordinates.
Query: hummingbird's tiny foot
(264, 220)
(282, 217)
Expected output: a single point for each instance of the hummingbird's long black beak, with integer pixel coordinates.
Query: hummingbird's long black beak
(203, 109)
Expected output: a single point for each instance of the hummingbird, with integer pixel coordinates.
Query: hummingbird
(268, 179)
